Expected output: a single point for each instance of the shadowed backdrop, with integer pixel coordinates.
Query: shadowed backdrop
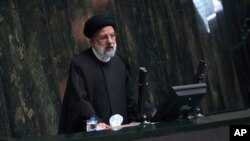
(168, 37)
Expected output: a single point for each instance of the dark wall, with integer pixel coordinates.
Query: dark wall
(168, 37)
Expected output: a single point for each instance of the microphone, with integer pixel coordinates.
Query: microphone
(201, 71)
(141, 98)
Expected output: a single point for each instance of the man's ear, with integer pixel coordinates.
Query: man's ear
(91, 40)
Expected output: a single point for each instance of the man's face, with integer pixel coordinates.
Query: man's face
(104, 41)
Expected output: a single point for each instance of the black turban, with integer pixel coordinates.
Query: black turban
(97, 22)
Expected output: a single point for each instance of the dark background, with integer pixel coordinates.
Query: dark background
(168, 37)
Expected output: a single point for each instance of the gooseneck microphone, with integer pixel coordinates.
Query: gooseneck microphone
(141, 98)
(200, 75)
(201, 72)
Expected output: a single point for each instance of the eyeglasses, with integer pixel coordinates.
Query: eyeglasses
(106, 36)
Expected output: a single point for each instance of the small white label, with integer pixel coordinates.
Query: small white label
(91, 125)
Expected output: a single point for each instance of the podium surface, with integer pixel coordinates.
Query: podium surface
(210, 127)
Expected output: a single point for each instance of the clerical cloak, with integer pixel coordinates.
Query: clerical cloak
(96, 88)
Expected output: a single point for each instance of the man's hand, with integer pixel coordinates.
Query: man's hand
(103, 125)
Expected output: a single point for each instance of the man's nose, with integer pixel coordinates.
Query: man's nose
(109, 39)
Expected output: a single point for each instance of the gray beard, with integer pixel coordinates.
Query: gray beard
(106, 54)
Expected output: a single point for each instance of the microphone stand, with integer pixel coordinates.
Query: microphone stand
(141, 98)
(199, 78)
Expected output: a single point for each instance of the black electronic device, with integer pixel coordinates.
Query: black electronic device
(180, 102)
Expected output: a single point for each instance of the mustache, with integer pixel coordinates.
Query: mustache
(110, 47)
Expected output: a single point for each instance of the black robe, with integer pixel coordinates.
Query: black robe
(96, 88)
